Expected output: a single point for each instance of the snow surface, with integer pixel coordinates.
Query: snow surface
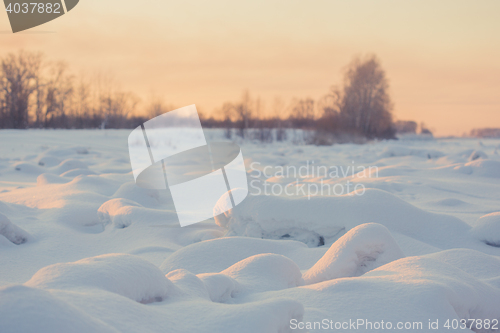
(362, 249)
(83, 249)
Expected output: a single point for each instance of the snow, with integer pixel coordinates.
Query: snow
(264, 272)
(12, 232)
(123, 274)
(487, 229)
(309, 219)
(83, 249)
(25, 309)
(362, 249)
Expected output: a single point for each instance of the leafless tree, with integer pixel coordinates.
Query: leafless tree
(406, 126)
(279, 116)
(18, 82)
(227, 112)
(243, 111)
(157, 106)
(303, 114)
(365, 105)
(58, 91)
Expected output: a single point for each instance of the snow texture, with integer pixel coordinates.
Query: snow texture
(83, 249)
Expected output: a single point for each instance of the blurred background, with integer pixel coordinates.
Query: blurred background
(428, 66)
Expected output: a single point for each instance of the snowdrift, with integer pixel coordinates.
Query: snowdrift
(83, 249)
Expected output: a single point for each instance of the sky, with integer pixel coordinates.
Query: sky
(442, 58)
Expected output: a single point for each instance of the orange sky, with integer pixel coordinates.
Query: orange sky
(442, 57)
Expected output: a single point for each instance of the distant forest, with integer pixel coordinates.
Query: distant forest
(485, 133)
(38, 93)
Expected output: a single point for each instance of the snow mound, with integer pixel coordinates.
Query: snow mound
(481, 168)
(189, 284)
(123, 274)
(220, 287)
(28, 168)
(417, 288)
(485, 168)
(121, 213)
(216, 255)
(115, 211)
(49, 161)
(145, 197)
(26, 309)
(76, 216)
(475, 263)
(362, 249)
(476, 154)
(49, 178)
(440, 286)
(93, 185)
(12, 232)
(487, 229)
(264, 272)
(328, 217)
(69, 164)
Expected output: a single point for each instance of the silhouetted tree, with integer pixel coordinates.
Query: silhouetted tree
(303, 113)
(37, 93)
(56, 94)
(406, 126)
(425, 130)
(365, 105)
(18, 81)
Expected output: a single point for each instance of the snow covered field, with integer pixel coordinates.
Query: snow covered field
(83, 249)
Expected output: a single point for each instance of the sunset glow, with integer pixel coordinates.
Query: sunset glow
(441, 57)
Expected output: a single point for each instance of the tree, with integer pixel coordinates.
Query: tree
(18, 82)
(240, 113)
(425, 130)
(303, 113)
(56, 94)
(406, 126)
(158, 107)
(365, 105)
(279, 125)
(243, 111)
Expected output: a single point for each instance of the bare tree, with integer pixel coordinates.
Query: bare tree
(82, 109)
(117, 107)
(406, 126)
(58, 93)
(157, 106)
(279, 116)
(18, 82)
(303, 112)
(262, 123)
(228, 113)
(365, 105)
(243, 112)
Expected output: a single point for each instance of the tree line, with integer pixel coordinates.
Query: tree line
(359, 109)
(37, 93)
